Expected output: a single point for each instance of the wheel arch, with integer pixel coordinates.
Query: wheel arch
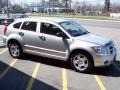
(13, 40)
(80, 50)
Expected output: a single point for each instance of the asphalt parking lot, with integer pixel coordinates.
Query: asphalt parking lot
(38, 73)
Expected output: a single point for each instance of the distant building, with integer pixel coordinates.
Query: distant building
(47, 9)
(115, 15)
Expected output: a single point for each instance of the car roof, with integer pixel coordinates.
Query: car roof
(51, 19)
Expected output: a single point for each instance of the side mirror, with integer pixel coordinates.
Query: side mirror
(62, 34)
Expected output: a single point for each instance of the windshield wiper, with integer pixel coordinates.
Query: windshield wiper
(85, 32)
(79, 34)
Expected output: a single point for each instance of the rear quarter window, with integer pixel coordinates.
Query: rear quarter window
(17, 25)
(30, 26)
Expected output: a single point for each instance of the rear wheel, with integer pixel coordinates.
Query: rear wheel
(15, 49)
(81, 62)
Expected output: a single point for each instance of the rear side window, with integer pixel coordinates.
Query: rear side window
(17, 25)
(30, 26)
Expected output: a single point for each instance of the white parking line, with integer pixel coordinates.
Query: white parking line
(64, 79)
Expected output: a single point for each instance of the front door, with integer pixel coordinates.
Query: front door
(50, 43)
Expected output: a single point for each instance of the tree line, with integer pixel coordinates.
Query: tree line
(82, 7)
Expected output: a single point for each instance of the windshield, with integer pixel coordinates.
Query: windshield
(73, 28)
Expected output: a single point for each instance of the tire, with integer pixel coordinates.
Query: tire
(15, 49)
(81, 62)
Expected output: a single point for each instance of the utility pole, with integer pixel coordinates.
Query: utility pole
(76, 7)
(49, 7)
(8, 8)
(70, 8)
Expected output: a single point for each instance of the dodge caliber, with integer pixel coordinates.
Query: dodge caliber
(60, 39)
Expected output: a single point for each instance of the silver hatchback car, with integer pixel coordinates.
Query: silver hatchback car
(60, 39)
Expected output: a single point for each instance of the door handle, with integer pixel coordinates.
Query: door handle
(42, 38)
(21, 33)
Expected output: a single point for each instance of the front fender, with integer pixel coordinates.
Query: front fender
(82, 46)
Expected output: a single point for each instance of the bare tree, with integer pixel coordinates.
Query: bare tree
(2, 3)
(84, 7)
(43, 2)
(107, 5)
(115, 7)
(19, 9)
(67, 5)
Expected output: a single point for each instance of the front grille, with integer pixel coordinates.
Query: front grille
(110, 47)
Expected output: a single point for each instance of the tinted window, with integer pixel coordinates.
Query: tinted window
(17, 25)
(31, 26)
(49, 29)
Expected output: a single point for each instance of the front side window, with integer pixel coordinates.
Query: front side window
(17, 25)
(49, 29)
(73, 28)
(30, 26)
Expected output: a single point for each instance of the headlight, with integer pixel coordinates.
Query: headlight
(100, 49)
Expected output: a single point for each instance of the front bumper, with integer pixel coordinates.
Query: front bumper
(105, 60)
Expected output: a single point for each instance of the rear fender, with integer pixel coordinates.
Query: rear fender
(17, 38)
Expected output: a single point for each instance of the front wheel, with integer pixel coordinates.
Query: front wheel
(81, 62)
(15, 49)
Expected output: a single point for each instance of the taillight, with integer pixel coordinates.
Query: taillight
(5, 30)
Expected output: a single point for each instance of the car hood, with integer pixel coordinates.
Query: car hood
(93, 38)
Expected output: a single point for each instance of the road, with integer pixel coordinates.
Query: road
(100, 23)
(38, 73)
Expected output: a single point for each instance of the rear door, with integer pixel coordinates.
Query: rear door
(29, 35)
